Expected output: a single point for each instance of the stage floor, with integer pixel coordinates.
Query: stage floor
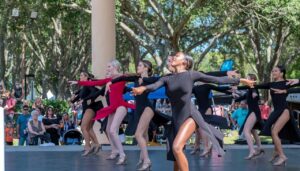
(68, 160)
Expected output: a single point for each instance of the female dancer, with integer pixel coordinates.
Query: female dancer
(116, 111)
(179, 88)
(280, 123)
(86, 94)
(253, 120)
(201, 93)
(144, 111)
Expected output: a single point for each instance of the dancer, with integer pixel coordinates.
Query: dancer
(280, 123)
(144, 111)
(201, 93)
(179, 88)
(253, 120)
(87, 95)
(116, 111)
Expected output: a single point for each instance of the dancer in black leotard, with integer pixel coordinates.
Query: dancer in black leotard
(253, 120)
(184, 114)
(280, 123)
(201, 93)
(88, 95)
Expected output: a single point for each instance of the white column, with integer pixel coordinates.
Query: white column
(103, 43)
(103, 35)
(2, 140)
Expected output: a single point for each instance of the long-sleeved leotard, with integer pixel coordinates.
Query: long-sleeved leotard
(203, 102)
(115, 97)
(89, 93)
(290, 130)
(179, 90)
(252, 97)
(141, 101)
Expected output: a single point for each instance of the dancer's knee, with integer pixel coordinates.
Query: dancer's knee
(113, 132)
(177, 148)
(274, 132)
(138, 135)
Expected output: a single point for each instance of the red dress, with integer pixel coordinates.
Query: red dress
(115, 97)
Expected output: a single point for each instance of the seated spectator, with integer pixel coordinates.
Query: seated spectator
(265, 110)
(65, 125)
(52, 126)
(240, 114)
(40, 116)
(9, 131)
(36, 130)
(22, 131)
(10, 107)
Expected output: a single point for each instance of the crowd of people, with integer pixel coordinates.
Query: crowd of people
(34, 123)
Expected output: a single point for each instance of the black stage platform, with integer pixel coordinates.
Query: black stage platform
(72, 161)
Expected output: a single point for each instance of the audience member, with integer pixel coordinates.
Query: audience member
(52, 126)
(22, 131)
(9, 131)
(36, 130)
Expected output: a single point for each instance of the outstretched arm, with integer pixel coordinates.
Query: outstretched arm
(198, 76)
(150, 80)
(94, 83)
(150, 87)
(130, 78)
(223, 89)
(217, 73)
(156, 85)
(295, 83)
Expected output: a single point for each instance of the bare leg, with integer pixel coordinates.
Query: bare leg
(198, 137)
(212, 133)
(247, 132)
(114, 149)
(114, 128)
(92, 133)
(256, 138)
(176, 167)
(85, 127)
(279, 124)
(207, 147)
(184, 133)
(141, 135)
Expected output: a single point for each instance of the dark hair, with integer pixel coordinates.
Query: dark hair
(25, 106)
(88, 75)
(252, 77)
(148, 65)
(282, 69)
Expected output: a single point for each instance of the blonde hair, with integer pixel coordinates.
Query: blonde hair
(189, 61)
(116, 64)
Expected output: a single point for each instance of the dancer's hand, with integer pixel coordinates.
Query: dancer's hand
(247, 82)
(233, 74)
(279, 91)
(138, 90)
(107, 87)
(73, 82)
(292, 81)
(88, 102)
(233, 89)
